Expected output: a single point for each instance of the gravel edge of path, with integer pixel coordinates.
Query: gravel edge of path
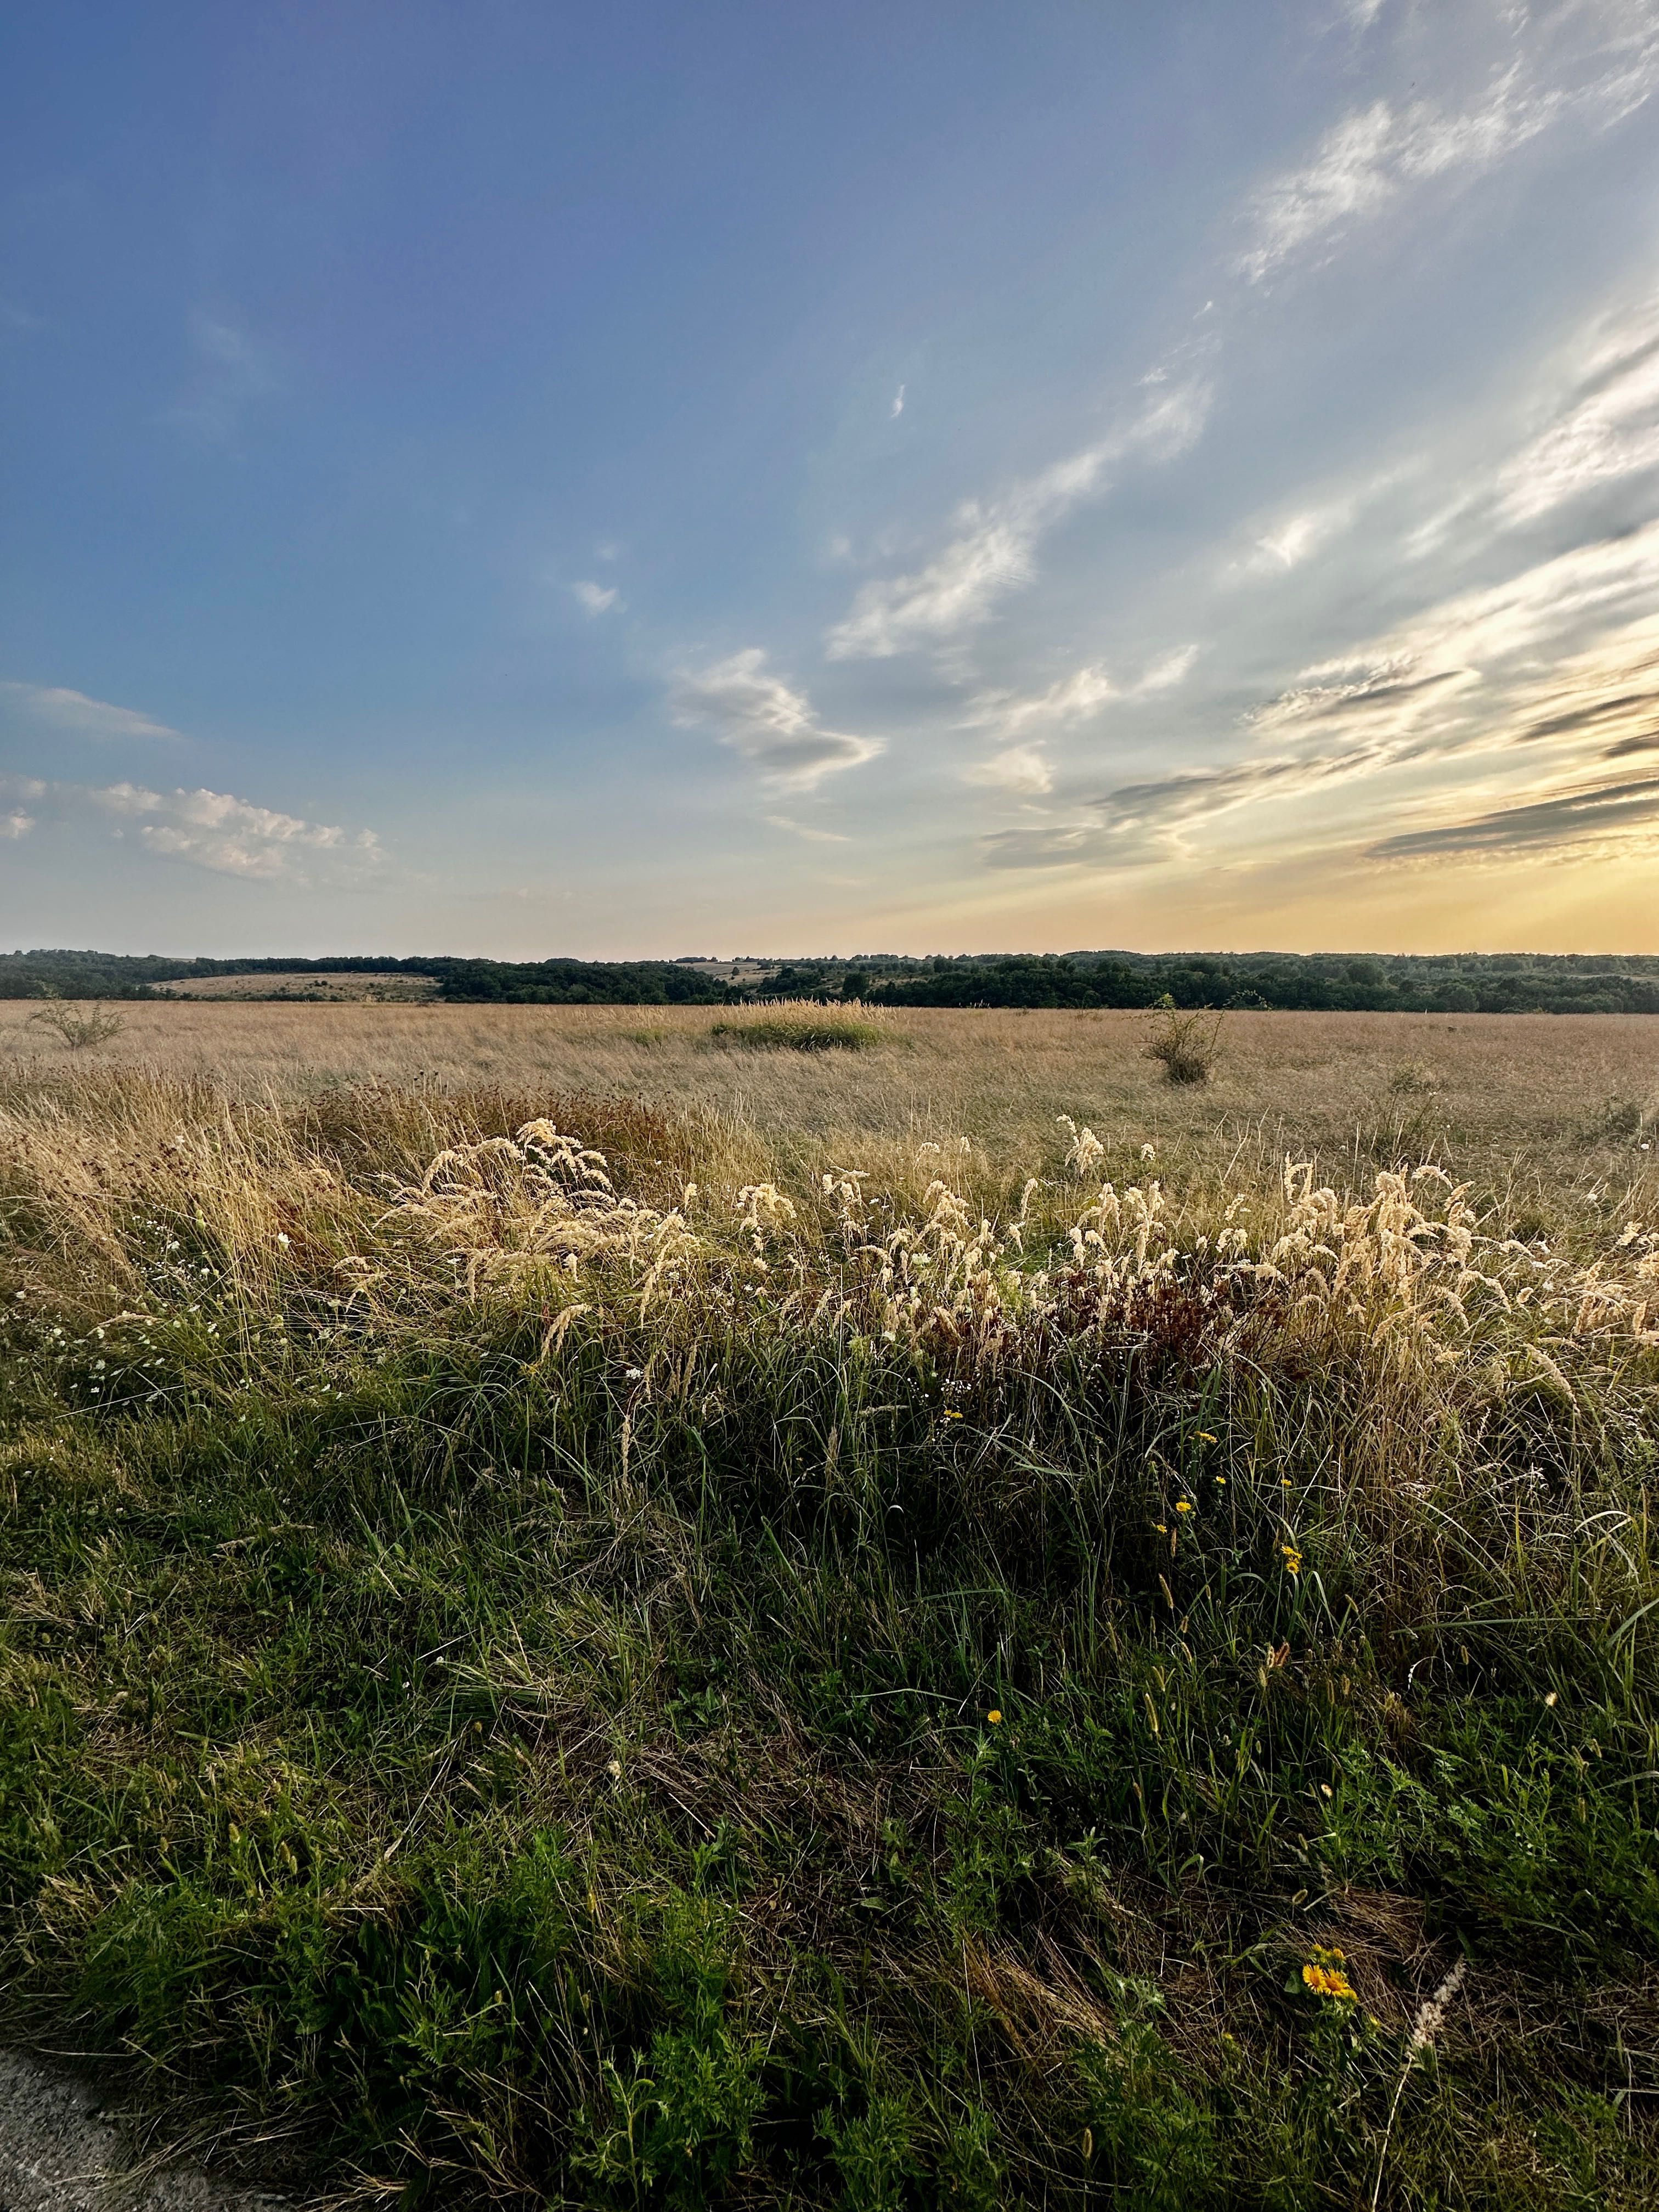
(60, 2151)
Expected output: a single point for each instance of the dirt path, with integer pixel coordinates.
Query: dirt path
(59, 2153)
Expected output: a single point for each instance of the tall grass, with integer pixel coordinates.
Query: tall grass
(561, 1651)
(785, 1026)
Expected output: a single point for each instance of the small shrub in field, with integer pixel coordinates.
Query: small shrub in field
(1616, 1117)
(1413, 1075)
(1184, 1043)
(77, 1027)
(793, 1032)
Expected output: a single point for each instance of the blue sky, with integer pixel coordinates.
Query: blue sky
(521, 479)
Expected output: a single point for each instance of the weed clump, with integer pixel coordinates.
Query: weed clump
(1184, 1044)
(77, 1027)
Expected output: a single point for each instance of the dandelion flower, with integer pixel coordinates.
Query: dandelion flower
(1182, 1505)
(994, 1716)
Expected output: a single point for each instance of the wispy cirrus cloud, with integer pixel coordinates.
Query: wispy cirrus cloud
(805, 831)
(1077, 697)
(1020, 766)
(1595, 432)
(211, 829)
(1017, 767)
(1529, 679)
(1608, 815)
(1167, 672)
(1597, 61)
(1074, 698)
(1289, 541)
(759, 716)
(994, 549)
(64, 710)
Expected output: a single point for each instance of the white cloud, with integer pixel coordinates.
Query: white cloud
(1170, 670)
(1069, 699)
(1019, 768)
(214, 829)
(1349, 175)
(995, 545)
(1075, 698)
(209, 829)
(991, 556)
(73, 710)
(16, 824)
(1596, 428)
(1290, 537)
(1289, 541)
(595, 599)
(1500, 699)
(1597, 61)
(757, 714)
(800, 829)
(898, 402)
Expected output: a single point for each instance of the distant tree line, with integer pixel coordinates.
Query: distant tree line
(1449, 983)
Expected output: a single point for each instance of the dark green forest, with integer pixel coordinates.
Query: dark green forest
(1462, 983)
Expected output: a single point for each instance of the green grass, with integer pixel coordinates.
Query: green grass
(724, 1756)
(819, 1031)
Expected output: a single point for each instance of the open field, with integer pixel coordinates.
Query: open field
(328, 988)
(601, 1611)
(1494, 1086)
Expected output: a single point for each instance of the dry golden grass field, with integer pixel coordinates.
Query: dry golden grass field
(347, 987)
(1540, 1103)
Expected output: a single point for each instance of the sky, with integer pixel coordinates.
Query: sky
(510, 478)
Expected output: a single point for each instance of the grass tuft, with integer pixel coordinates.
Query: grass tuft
(813, 1029)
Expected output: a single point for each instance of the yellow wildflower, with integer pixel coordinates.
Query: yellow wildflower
(994, 1717)
(1324, 1976)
